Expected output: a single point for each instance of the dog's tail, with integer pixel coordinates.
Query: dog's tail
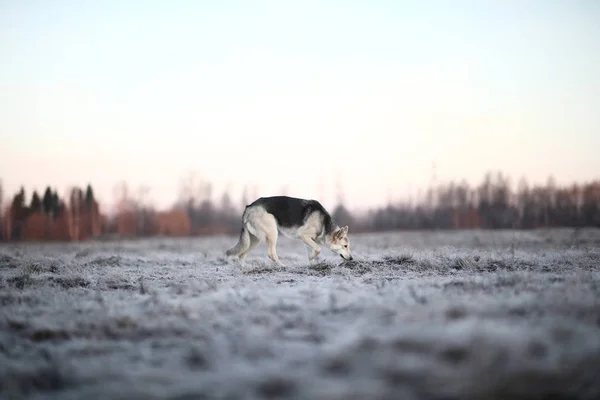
(242, 245)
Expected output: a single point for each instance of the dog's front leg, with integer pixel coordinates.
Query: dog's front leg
(308, 253)
(311, 254)
(316, 250)
(315, 254)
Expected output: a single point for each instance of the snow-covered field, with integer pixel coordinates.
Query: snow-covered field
(424, 315)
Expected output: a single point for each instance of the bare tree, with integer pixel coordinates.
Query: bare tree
(193, 190)
(340, 197)
(142, 208)
(255, 191)
(195, 197)
(226, 206)
(1, 199)
(142, 195)
(1, 211)
(245, 201)
(123, 201)
(75, 197)
(125, 209)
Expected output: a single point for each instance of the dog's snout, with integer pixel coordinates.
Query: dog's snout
(351, 258)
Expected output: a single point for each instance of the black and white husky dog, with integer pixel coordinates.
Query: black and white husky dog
(296, 218)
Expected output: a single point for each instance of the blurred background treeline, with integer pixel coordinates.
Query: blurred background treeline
(495, 203)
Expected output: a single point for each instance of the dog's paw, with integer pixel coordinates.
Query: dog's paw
(314, 255)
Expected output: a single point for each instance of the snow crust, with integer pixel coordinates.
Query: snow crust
(420, 315)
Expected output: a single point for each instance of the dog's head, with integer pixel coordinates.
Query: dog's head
(340, 244)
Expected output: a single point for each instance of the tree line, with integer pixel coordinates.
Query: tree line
(51, 218)
(492, 204)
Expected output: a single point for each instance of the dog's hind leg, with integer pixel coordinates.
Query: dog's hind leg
(271, 235)
(254, 241)
(272, 243)
(265, 225)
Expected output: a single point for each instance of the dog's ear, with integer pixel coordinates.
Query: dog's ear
(339, 233)
(336, 234)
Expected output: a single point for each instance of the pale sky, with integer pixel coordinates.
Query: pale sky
(280, 93)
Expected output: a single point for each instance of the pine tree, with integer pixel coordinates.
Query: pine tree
(89, 195)
(47, 201)
(342, 216)
(1, 198)
(36, 203)
(56, 204)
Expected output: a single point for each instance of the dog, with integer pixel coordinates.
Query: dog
(295, 218)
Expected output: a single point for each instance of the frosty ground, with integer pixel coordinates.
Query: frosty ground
(423, 315)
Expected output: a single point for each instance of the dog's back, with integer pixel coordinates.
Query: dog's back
(291, 212)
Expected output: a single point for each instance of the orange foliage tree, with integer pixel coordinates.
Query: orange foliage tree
(48, 218)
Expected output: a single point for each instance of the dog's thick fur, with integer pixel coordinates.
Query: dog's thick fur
(296, 218)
